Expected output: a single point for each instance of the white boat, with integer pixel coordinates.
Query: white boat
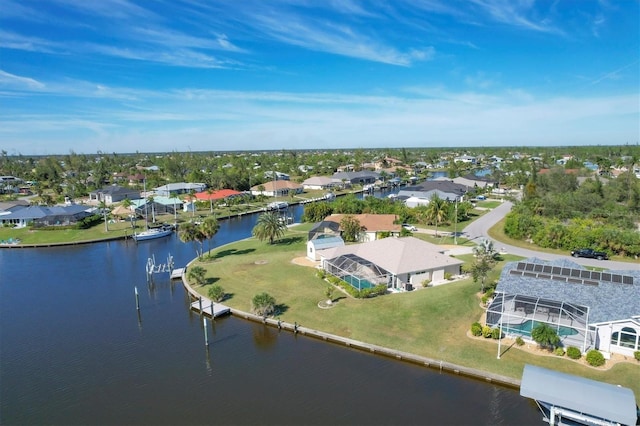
(152, 233)
(277, 205)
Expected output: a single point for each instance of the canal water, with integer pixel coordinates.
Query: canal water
(75, 351)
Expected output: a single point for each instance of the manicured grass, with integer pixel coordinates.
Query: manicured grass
(96, 232)
(431, 322)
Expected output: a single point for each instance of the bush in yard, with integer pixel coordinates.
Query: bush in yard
(321, 273)
(519, 341)
(263, 304)
(595, 358)
(476, 329)
(636, 354)
(448, 276)
(486, 331)
(495, 333)
(559, 351)
(216, 293)
(573, 352)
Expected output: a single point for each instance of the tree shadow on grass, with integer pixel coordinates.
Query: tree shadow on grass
(227, 296)
(211, 280)
(288, 241)
(230, 252)
(280, 309)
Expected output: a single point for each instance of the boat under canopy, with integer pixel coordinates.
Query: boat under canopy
(571, 400)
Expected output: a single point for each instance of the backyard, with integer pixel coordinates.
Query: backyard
(431, 322)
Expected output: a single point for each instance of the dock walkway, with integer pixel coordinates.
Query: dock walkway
(208, 308)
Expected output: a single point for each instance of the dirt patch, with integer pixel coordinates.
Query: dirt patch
(261, 262)
(303, 261)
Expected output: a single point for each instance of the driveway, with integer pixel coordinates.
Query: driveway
(478, 229)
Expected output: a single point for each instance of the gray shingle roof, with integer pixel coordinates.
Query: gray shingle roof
(607, 301)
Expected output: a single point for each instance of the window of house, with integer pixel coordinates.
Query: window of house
(627, 338)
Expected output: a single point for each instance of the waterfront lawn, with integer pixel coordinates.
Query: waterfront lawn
(97, 232)
(431, 322)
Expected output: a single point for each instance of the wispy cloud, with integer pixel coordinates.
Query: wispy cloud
(615, 74)
(16, 82)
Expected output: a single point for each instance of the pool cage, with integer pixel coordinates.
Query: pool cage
(518, 314)
(358, 272)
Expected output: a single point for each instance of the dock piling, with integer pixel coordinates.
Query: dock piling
(137, 298)
(206, 337)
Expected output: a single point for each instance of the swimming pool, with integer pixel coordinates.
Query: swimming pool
(526, 327)
(354, 282)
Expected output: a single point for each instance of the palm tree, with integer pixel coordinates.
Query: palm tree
(209, 228)
(197, 274)
(545, 336)
(437, 210)
(269, 226)
(263, 304)
(190, 232)
(209, 194)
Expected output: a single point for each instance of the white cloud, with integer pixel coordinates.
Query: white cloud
(16, 82)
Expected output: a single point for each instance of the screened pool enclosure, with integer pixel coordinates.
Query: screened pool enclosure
(358, 272)
(517, 315)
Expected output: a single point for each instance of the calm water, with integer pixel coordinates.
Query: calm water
(75, 351)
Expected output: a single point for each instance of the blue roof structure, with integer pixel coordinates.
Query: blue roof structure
(610, 296)
(38, 212)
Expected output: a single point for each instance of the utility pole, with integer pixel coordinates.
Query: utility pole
(455, 228)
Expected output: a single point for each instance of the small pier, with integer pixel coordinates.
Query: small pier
(178, 273)
(208, 308)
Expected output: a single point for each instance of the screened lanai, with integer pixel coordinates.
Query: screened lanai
(358, 272)
(518, 314)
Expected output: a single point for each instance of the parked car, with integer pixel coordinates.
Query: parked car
(409, 227)
(590, 253)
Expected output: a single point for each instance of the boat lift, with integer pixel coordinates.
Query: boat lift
(153, 268)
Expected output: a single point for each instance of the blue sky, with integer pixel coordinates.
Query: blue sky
(207, 75)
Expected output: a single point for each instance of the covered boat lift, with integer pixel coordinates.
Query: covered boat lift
(565, 399)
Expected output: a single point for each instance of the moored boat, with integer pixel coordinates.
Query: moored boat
(153, 233)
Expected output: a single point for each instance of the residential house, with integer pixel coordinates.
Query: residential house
(173, 189)
(277, 188)
(360, 178)
(218, 195)
(422, 194)
(588, 309)
(113, 194)
(157, 205)
(321, 182)
(45, 216)
(400, 263)
(372, 224)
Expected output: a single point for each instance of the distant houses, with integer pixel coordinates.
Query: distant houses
(113, 194)
(277, 188)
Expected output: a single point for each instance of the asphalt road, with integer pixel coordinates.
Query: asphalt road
(479, 228)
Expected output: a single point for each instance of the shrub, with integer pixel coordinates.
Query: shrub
(263, 304)
(216, 293)
(636, 354)
(426, 283)
(573, 352)
(476, 329)
(448, 276)
(486, 331)
(321, 273)
(595, 358)
(559, 351)
(495, 333)
(519, 341)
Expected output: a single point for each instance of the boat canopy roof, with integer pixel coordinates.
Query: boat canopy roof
(590, 397)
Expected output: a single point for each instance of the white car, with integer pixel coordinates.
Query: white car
(409, 227)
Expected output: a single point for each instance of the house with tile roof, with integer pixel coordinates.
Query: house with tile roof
(588, 309)
(321, 182)
(277, 188)
(217, 195)
(46, 216)
(372, 224)
(400, 263)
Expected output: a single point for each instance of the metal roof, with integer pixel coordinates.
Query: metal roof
(607, 301)
(579, 394)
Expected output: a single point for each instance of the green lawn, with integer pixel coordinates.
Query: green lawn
(431, 322)
(96, 232)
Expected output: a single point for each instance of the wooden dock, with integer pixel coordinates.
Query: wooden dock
(210, 309)
(177, 273)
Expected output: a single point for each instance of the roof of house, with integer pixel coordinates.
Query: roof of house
(115, 189)
(165, 201)
(37, 212)
(13, 205)
(179, 186)
(277, 185)
(356, 175)
(398, 255)
(217, 195)
(444, 185)
(606, 300)
(327, 242)
(321, 180)
(370, 222)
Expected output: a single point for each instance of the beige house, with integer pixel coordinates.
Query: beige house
(277, 188)
(400, 263)
(372, 224)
